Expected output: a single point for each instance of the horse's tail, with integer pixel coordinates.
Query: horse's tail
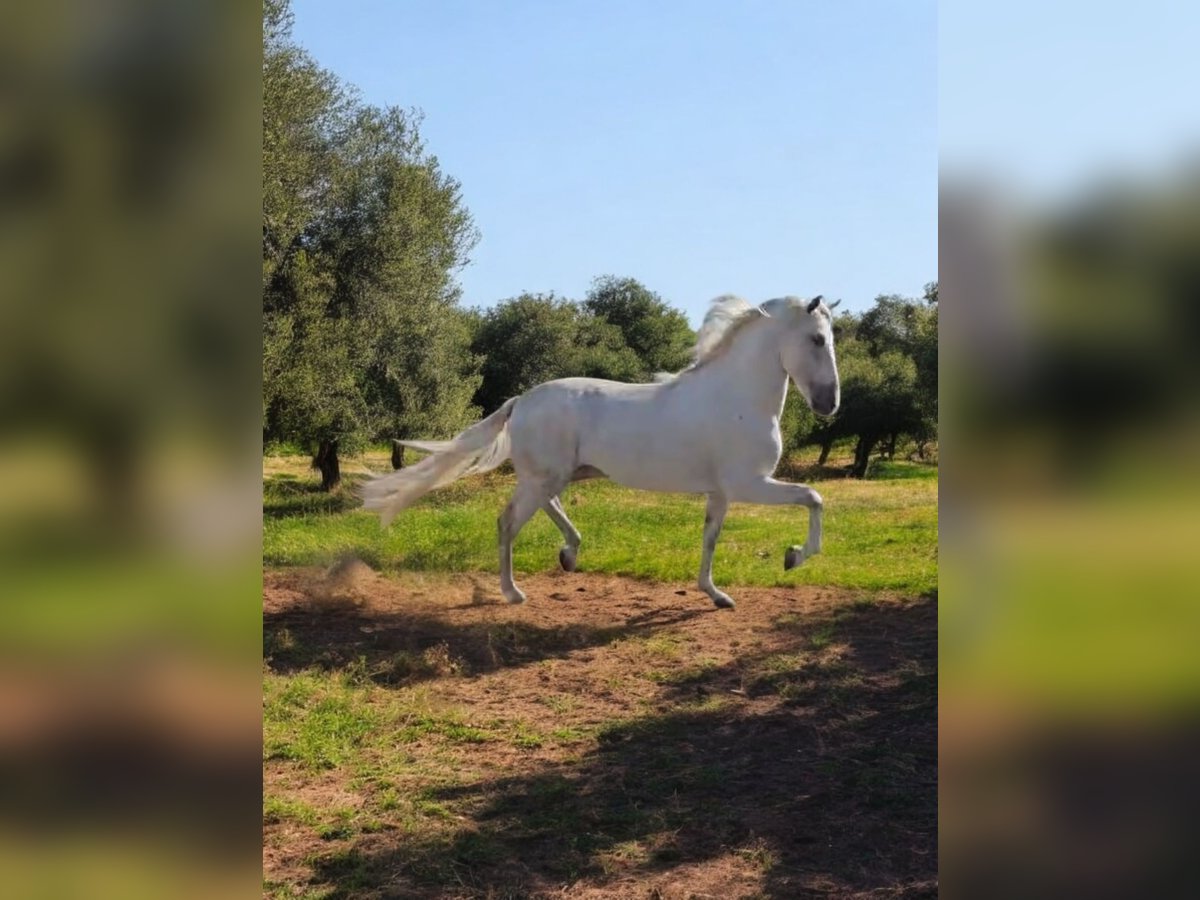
(480, 448)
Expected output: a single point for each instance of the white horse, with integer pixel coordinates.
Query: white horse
(711, 429)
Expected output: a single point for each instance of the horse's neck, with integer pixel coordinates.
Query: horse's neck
(749, 372)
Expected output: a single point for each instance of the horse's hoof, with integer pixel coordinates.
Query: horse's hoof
(566, 559)
(793, 557)
(723, 601)
(516, 597)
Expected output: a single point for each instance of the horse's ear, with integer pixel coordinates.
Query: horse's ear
(814, 303)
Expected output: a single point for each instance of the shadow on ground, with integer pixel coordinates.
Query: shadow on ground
(394, 647)
(784, 772)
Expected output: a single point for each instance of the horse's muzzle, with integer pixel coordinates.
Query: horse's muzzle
(825, 400)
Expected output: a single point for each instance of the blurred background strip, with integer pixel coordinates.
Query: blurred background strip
(130, 175)
(1070, 263)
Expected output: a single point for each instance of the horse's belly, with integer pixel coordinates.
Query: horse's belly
(654, 475)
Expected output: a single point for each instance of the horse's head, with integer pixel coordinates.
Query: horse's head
(806, 350)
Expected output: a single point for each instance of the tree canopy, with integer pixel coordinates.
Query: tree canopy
(538, 337)
(362, 233)
(656, 332)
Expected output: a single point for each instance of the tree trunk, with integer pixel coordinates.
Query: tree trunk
(326, 461)
(862, 455)
(397, 454)
(891, 446)
(824, 457)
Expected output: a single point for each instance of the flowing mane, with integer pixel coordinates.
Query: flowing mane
(725, 317)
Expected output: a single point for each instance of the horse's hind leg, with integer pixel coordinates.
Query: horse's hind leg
(529, 495)
(569, 550)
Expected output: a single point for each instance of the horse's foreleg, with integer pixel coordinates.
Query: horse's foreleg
(569, 550)
(714, 517)
(525, 501)
(780, 493)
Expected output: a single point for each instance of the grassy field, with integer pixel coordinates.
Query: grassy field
(880, 534)
(616, 736)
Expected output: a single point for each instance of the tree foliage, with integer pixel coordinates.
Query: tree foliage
(887, 361)
(524, 341)
(362, 232)
(539, 337)
(656, 332)
(601, 351)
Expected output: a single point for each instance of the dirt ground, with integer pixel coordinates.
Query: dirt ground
(783, 749)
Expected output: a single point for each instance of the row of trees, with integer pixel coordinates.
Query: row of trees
(364, 337)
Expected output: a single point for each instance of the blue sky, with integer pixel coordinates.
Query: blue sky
(1050, 98)
(761, 148)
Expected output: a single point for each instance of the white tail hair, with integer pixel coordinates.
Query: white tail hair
(481, 448)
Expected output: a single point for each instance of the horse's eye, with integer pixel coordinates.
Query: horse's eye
(818, 340)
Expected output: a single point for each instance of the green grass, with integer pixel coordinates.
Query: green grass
(896, 470)
(280, 809)
(315, 720)
(880, 534)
